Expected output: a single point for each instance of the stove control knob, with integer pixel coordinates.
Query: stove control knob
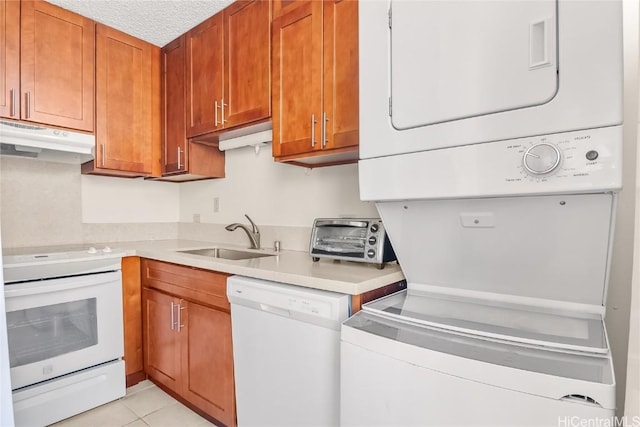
(92, 250)
(541, 159)
(106, 250)
(372, 240)
(374, 228)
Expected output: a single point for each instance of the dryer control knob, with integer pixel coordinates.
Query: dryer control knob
(541, 158)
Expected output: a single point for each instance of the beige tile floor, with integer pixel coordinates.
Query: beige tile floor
(144, 405)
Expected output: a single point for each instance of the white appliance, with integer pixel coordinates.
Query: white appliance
(440, 74)
(491, 143)
(6, 404)
(65, 332)
(55, 145)
(286, 342)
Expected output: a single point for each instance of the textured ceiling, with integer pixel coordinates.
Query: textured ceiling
(156, 21)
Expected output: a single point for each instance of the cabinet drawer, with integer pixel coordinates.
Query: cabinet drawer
(202, 286)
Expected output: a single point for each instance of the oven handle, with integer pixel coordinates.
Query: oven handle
(60, 285)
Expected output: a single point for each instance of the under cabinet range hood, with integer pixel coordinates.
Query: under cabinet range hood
(55, 145)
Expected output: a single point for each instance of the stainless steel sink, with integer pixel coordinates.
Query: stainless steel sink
(223, 253)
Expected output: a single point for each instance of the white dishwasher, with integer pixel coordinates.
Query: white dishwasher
(286, 352)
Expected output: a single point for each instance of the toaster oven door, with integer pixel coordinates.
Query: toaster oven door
(339, 239)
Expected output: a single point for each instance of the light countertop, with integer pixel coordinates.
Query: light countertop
(290, 267)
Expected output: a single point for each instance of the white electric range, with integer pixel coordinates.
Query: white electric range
(65, 331)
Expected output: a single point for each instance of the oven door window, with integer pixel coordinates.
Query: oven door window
(40, 333)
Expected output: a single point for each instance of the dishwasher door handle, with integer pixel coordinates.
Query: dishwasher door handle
(275, 310)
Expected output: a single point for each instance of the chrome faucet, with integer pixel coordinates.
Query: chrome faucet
(253, 234)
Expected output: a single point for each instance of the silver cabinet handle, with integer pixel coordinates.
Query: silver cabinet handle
(180, 325)
(104, 153)
(179, 157)
(223, 105)
(313, 130)
(27, 105)
(172, 316)
(12, 108)
(324, 129)
(215, 115)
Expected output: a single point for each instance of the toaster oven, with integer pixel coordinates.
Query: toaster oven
(350, 239)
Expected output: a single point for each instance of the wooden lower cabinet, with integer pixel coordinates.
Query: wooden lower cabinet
(132, 311)
(161, 340)
(207, 361)
(187, 336)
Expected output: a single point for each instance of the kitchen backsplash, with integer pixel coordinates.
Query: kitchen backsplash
(45, 203)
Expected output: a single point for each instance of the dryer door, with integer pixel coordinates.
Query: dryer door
(452, 60)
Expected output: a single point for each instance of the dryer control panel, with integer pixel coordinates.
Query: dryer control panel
(586, 161)
(575, 156)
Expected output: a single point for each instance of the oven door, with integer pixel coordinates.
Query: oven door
(59, 326)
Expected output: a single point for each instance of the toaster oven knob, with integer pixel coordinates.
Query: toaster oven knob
(371, 253)
(372, 240)
(374, 228)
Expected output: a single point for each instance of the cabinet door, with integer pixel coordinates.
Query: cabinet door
(247, 51)
(125, 81)
(173, 107)
(161, 340)
(57, 66)
(205, 76)
(207, 361)
(132, 316)
(10, 58)
(297, 80)
(340, 73)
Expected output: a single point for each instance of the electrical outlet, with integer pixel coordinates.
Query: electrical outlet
(216, 204)
(196, 218)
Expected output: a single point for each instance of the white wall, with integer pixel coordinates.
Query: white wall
(49, 203)
(40, 202)
(120, 200)
(273, 193)
(632, 398)
(46, 203)
(619, 297)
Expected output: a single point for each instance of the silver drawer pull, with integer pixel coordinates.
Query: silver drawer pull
(313, 130)
(27, 105)
(223, 105)
(325, 119)
(172, 317)
(12, 108)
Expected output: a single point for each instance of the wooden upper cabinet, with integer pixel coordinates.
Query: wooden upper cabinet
(10, 58)
(247, 59)
(204, 76)
(229, 68)
(340, 97)
(297, 80)
(315, 82)
(57, 66)
(173, 107)
(183, 160)
(128, 104)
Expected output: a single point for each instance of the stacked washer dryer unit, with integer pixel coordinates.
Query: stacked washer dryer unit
(490, 140)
